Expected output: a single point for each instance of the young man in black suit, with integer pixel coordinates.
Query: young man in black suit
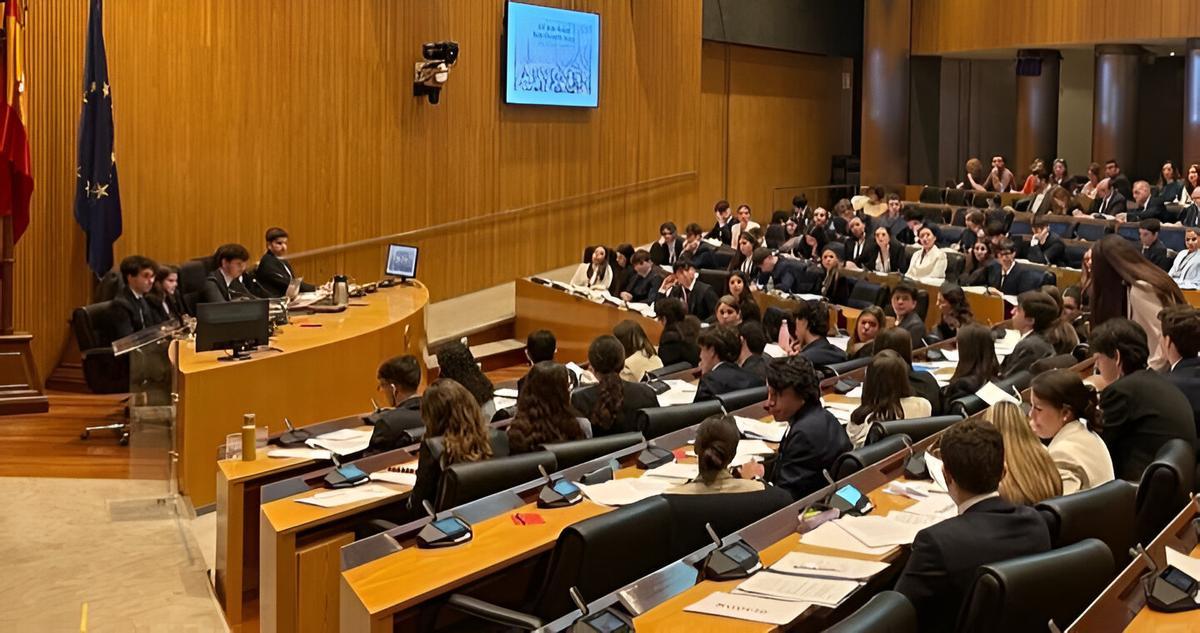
(399, 379)
(1004, 278)
(814, 438)
(541, 346)
(904, 305)
(130, 311)
(1040, 203)
(274, 274)
(1046, 247)
(754, 341)
(668, 248)
(988, 529)
(1181, 343)
(1118, 180)
(1035, 313)
(641, 286)
(811, 323)
(1142, 409)
(684, 284)
(1152, 249)
(719, 371)
(789, 275)
(723, 228)
(1111, 202)
(225, 283)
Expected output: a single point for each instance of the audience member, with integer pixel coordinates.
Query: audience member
(978, 260)
(611, 405)
(641, 286)
(817, 235)
(923, 382)
(695, 248)
(800, 210)
(1111, 201)
(595, 275)
(1181, 344)
(975, 176)
(622, 268)
(668, 247)
(929, 262)
(684, 284)
(744, 223)
(720, 348)
(1033, 183)
(754, 341)
(810, 319)
(716, 446)
(977, 363)
(1030, 476)
(884, 257)
(1061, 334)
(274, 273)
(1061, 202)
(1186, 268)
(904, 305)
(891, 219)
(1005, 277)
(728, 313)
(1000, 178)
(1152, 249)
(956, 312)
(789, 275)
(737, 285)
(723, 228)
(886, 395)
(1034, 315)
(834, 287)
(843, 215)
(1190, 182)
(130, 310)
(1090, 187)
(946, 556)
(862, 340)
(1118, 180)
(1146, 206)
(677, 344)
(456, 362)
(1059, 175)
(908, 234)
(1073, 312)
(450, 412)
(1125, 284)
(640, 355)
(875, 203)
(1142, 409)
(399, 380)
(1046, 247)
(1063, 411)
(164, 299)
(974, 222)
(857, 245)
(544, 412)
(541, 346)
(814, 438)
(225, 283)
(1170, 184)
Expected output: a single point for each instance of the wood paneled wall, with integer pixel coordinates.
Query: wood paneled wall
(235, 116)
(941, 27)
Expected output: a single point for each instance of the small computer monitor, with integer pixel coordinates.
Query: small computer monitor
(401, 261)
(234, 325)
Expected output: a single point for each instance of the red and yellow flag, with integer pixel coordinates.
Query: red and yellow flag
(16, 175)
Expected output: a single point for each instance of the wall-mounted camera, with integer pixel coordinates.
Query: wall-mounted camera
(432, 73)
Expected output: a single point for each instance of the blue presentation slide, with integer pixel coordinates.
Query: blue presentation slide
(553, 56)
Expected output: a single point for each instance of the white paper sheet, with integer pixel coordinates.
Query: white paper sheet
(829, 592)
(774, 351)
(770, 431)
(950, 354)
(303, 453)
(936, 471)
(991, 394)
(805, 564)
(505, 393)
(937, 505)
(404, 479)
(675, 470)
(673, 397)
(681, 385)
(750, 608)
(831, 535)
(621, 492)
(344, 496)
(877, 531)
(343, 442)
(840, 342)
(503, 403)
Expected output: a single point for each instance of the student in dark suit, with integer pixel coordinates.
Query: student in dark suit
(1181, 343)
(130, 311)
(1147, 206)
(1046, 247)
(904, 305)
(834, 286)
(719, 371)
(669, 247)
(988, 529)
(1005, 277)
(754, 341)
(399, 379)
(225, 283)
(1152, 249)
(1109, 200)
(1034, 315)
(814, 438)
(723, 228)
(164, 298)
(923, 382)
(540, 346)
(858, 244)
(677, 344)
(612, 404)
(789, 275)
(642, 285)
(885, 255)
(684, 284)
(1117, 178)
(977, 364)
(274, 274)
(811, 322)
(1142, 409)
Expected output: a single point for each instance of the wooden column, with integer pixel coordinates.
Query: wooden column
(1037, 107)
(1114, 124)
(885, 92)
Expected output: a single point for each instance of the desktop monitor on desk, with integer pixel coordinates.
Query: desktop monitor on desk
(238, 326)
(401, 261)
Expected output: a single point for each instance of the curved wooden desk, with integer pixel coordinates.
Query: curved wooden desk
(321, 372)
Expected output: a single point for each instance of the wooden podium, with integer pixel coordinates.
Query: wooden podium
(20, 385)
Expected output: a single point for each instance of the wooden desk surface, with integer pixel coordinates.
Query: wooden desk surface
(575, 321)
(323, 373)
(670, 615)
(237, 471)
(289, 515)
(1148, 621)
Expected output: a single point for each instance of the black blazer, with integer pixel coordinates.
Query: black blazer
(756, 364)
(129, 314)
(673, 349)
(964, 386)
(725, 377)
(813, 441)
(1154, 208)
(701, 299)
(794, 276)
(1012, 282)
(946, 555)
(1141, 412)
(722, 232)
(1157, 254)
(216, 291)
(821, 353)
(850, 245)
(166, 308)
(661, 256)
(273, 276)
(915, 327)
(1186, 376)
(1116, 204)
(1030, 350)
(895, 258)
(637, 395)
(1053, 252)
(643, 289)
(391, 424)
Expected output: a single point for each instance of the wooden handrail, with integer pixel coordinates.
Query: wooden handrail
(507, 214)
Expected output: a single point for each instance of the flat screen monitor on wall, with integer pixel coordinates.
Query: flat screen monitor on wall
(553, 56)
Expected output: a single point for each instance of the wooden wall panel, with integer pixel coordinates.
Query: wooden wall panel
(941, 27)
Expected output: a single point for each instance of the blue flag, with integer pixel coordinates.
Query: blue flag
(97, 199)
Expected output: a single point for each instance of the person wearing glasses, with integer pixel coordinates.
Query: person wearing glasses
(669, 247)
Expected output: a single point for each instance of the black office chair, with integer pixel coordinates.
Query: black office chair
(466, 482)
(980, 200)
(192, 274)
(916, 429)
(853, 461)
(867, 293)
(102, 372)
(932, 195)
(949, 235)
(1058, 361)
(715, 278)
(741, 398)
(1025, 593)
(727, 513)
(1105, 512)
(669, 369)
(955, 263)
(1164, 488)
(845, 367)
(568, 454)
(1074, 254)
(971, 404)
(596, 556)
(663, 420)
(1090, 231)
(959, 198)
(1021, 227)
(1129, 231)
(110, 285)
(922, 303)
(1063, 227)
(1173, 239)
(885, 612)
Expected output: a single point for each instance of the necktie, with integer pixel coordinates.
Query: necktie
(671, 253)
(685, 298)
(1003, 276)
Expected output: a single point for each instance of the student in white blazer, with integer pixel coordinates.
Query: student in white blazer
(1186, 268)
(597, 275)
(1063, 408)
(930, 261)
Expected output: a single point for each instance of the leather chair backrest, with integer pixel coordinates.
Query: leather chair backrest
(1129, 231)
(1105, 512)
(735, 400)
(192, 274)
(1023, 594)
(916, 429)
(1173, 238)
(955, 263)
(601, 554)
(971, 404)
(845, 367)
(91, 325)
(885, 612)
(867, 293)
(1164, 488)
(1074, 254)
(715, 278)
(568, 454)
(948, 234)
(980, 200)
(1021, 227)
(922, 303)
(1058, 361)
(853, 461)
(1090, 231)
(463, 483)
(659, 421)
(932, 195)
(110, 285)
(727, 512)
(669, 369)
(959, 197)
(1062, 226)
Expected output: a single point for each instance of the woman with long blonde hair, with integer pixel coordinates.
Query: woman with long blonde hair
(1030, 475)
(452, 413)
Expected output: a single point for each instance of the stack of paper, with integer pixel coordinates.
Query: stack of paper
(774, 351)
(936, 505)
(828, 592)
(770, 431)
(840, 342)
(991, 394)
(750, 608)
(503, 403)
(641, 308)
(679, 392)
(344, 496)
(303, 453)
(831, 535)
(936, 471)
(804, 564)
(343, 442)
(877, 531)
(675, 470)
(406, 477)
(505, 393)
(620, 492)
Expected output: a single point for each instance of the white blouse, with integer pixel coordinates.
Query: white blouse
(929, 264)
(596, 282)
(1081, 456)
(1186, 270)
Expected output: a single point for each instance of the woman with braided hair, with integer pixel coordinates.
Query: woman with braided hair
(612, 404)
